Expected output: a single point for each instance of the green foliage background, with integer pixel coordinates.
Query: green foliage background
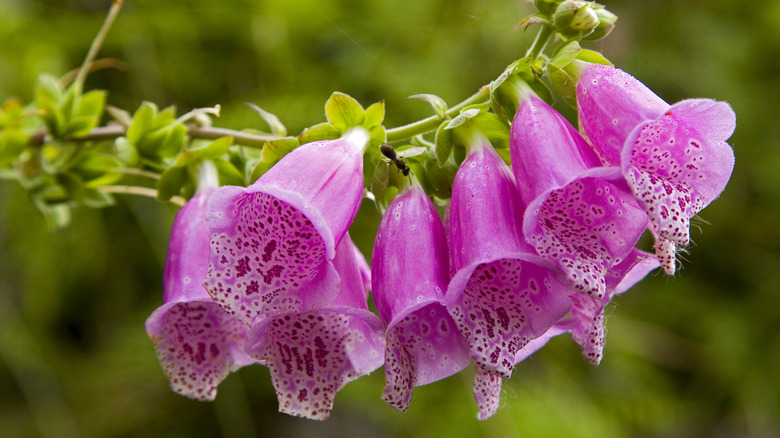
(688, 356)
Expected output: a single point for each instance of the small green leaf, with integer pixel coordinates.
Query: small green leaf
(228, 174)
(98, 169)
(566, 54)
(171, 181)
(592, 56)
(48, 89)
(12, 143)
(444, 144)
(438, 104)
(343, 112)
(217, 148)
(126, 151)
(322, 131)
(119, 115)
(462, 118)
(273, 151)
(142, 122)
(378, 135)
(91, 104)
(564, 84)
(276, 126)
(94, 198)
(374, 115)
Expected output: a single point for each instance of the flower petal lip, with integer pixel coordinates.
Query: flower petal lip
(272, 243)
(410, 273)
(313, 354)
(197, 343)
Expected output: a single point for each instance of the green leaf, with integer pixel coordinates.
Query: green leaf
(94, 198)
(564, 84)
(171, 181)
(91, 104)
(48, 89)
(276, 125)
(566, 54)
(322, 131)
(228, 174)
(12, 143)
(343, 112)
(98, 169)
(126, 152)
(273, 151)
(438, 104)
(444, 144)
(592, 56)
(374, 115)
(142, 122)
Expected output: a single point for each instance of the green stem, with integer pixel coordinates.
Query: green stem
(431, 123)
(541, 40)
(141, 191)
(78, 83)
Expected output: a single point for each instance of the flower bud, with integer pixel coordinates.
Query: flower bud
(606, 24)
(573, 16)
(546, 7)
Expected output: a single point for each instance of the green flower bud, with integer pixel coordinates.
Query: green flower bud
(573, 16)
(546, 7)
(606, 24)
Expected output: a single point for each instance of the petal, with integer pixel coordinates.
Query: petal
(410, 258)
(266, 256)
(422, 347)
(679, 163)
(501, 305)
(610, 104)
(547, 152)
(487, 393)
(197, 344)
(312, 355)
(585, 227)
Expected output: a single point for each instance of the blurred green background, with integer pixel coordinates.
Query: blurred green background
(690, 356)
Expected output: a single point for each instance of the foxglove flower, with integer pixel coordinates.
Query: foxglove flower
(410, 273)
(197, 343)
(272, 243)
(675, 158)
(502, 295)
(580, 215)
(311, 355)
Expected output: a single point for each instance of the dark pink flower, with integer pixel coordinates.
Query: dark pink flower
(675, 158)
(502, 294)
(197, 343)
(313, 354)
(272, 243)
(581, 216)
(410, 272)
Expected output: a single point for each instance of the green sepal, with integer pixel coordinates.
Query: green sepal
(565, 54)
(171, 182)
(98, 169)
(274, 124)
(374, 115)
(563, 83)
(94, 198)
(385, 198)
(322, 131)
(229, 175)
(126, 152)
(343, 112)
(438, 104)
(444, 144)
(272, 152)
(377, 134)
(156, 135)
(12, 143)
(593, 57)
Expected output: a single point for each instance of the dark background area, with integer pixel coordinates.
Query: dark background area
(692, 355)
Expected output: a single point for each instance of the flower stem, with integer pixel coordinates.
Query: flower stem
(431, 123)
(78, 83)
(141, 191)
(541, 40)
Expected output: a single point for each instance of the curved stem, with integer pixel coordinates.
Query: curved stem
(141, 191)
(78, 83)
(431, 123)
(541, 40)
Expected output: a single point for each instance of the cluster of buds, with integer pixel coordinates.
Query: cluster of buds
(575, 18)
(268, 274)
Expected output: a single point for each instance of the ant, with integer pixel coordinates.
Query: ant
(391, 155)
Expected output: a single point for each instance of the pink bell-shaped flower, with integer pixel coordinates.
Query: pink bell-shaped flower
(675, 158)
(272, 243)
(410, 272)
(581, 216)
(198, 344)
(502, 294)
(313, 354)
